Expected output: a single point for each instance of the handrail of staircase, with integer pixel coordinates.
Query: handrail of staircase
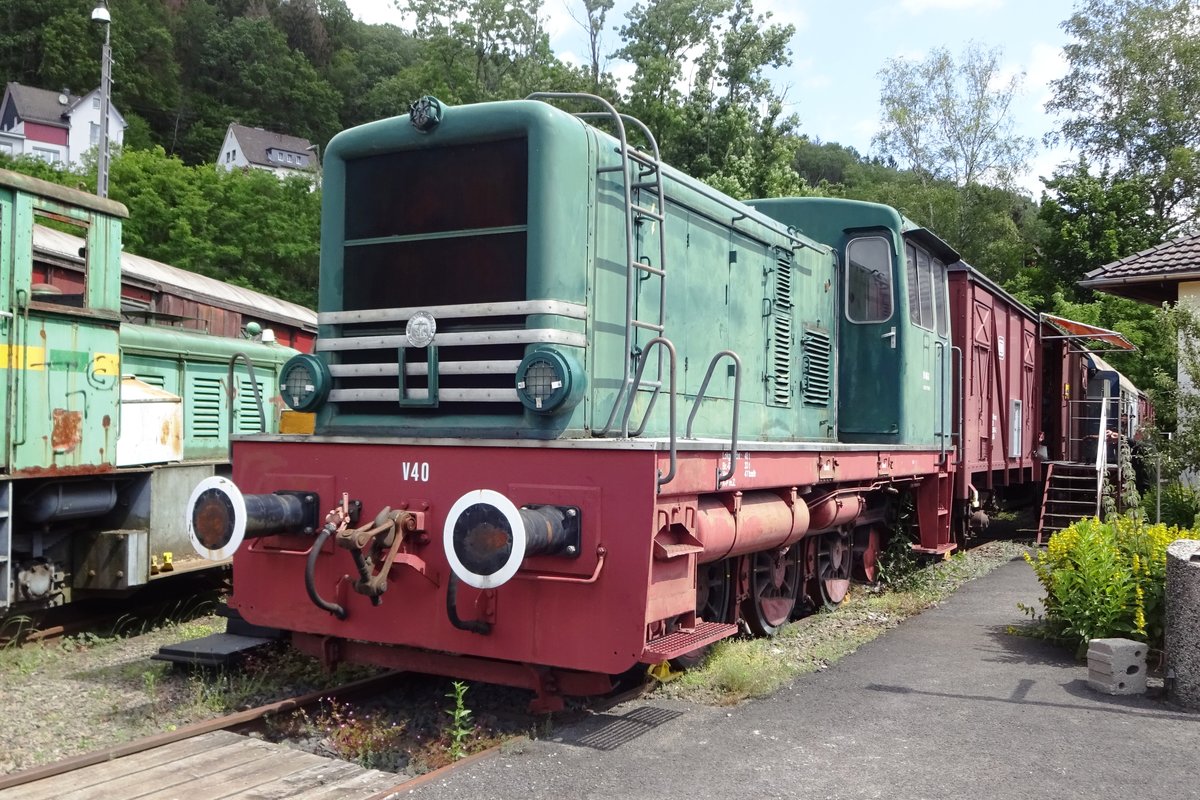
(674, 398)
(722, 475)
(1102, 450)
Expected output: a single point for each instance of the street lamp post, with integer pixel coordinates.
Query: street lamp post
(100, 14)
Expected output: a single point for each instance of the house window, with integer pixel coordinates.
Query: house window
(96, 101)
(49, 156)
(94, 134)
(6, 148)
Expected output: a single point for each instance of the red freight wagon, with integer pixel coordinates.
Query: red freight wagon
(998, 385)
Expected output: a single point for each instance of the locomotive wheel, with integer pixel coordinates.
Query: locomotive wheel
(833, 568)
(868, 544)
(713, 587)
(774, 586)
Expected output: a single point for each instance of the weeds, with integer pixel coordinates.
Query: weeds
(370, 741)
(745, 668)
(461, 726)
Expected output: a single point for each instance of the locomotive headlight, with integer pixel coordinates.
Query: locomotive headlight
(304, 382)
(547, 382)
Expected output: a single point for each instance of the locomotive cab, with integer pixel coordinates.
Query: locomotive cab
(894, 334)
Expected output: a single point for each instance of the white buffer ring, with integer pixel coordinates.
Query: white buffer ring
(511, 515)
(234, 495)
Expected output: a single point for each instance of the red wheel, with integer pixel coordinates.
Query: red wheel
(868, 544)
(833, 568)
(774, 586)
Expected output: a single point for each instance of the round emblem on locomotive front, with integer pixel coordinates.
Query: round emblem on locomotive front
(420, 329)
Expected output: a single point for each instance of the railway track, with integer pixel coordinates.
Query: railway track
(180, 599)
(218, 758)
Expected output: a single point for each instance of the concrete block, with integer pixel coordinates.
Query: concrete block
(1117, 666)
(1182, 641)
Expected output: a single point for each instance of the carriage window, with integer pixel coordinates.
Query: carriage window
(869, 279)
(940, 297)
(59, 261)
(925, 275)
(914, 285)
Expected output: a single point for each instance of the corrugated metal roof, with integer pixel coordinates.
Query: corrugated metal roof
(256, 304)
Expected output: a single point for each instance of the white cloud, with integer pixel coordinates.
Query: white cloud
(784, 12)
(1046, 64)
(921, 6)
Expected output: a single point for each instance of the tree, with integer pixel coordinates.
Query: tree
(595, 12)
(952, 120)
(1131, 98)
(1092, 220)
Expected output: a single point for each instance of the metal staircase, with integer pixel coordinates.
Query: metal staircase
(1071, 493)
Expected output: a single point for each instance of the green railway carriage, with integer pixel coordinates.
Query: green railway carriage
(107, 424)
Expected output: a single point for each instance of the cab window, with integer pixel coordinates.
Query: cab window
(869, 279)
(927, 302)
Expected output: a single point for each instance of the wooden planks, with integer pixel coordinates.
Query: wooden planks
(215, 766)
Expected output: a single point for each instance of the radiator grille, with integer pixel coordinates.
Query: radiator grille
(817, 364)
(478, 349)
(780, 379)
(247, 408)
(205, 413)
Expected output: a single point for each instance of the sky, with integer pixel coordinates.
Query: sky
(839, 48)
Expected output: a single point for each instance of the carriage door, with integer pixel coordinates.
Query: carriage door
(869, 381)
(63, 341)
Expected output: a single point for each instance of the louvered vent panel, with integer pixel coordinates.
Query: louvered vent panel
(781, 334)
(153, 380)
(247, 408)
(205, 422)
(817, 363)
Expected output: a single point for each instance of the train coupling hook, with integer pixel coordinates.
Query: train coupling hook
(377, 542)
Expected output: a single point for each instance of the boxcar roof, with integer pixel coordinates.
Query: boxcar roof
(993, 287)
(191, 284)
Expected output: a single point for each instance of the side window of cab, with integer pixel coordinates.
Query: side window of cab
(928, 303)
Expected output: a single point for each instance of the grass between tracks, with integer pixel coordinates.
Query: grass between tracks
(741, 668)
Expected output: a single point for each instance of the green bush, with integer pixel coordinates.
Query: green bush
(1106, 579)
(1180, 505)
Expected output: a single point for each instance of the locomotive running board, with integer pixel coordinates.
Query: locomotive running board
(673, 645)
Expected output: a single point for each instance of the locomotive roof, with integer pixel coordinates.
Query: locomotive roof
(27, 183)
(191, 284)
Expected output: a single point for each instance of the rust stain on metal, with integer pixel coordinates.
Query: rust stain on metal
(63, 472)
(106, 421)
(165, 436)
(67, 430)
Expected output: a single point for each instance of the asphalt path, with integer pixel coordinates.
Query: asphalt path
(947, 705)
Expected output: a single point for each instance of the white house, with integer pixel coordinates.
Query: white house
(246, 147)
(57, 127)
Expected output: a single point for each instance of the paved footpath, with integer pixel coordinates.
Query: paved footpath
(947, 705)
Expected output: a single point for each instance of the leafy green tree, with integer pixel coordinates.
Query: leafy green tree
(953, 119)
(1092, 220)
(1130, 101)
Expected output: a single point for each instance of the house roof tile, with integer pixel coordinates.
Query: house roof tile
(255, 142)
(1175, 258)
(41, 105)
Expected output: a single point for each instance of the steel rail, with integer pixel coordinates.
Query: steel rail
(226, 722)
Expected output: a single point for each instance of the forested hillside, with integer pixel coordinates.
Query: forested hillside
(945, 155)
